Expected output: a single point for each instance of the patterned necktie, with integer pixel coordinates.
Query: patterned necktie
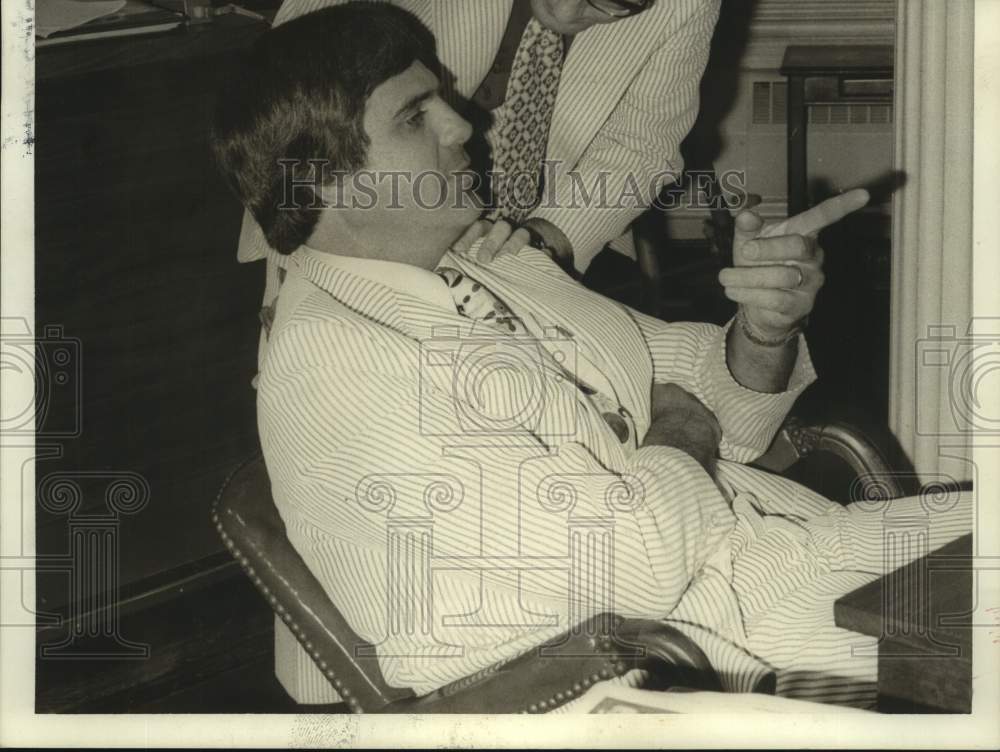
(479, 304)
(520, 130)
(476, 302)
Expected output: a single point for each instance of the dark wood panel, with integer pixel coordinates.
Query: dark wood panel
(192, 637)
(135, 258)
(226, 35)
(210, 638)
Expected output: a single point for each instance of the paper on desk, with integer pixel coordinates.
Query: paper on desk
(58, 15)
(606, 697)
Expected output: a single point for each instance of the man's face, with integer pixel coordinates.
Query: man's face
(568, 16)
(416, 147)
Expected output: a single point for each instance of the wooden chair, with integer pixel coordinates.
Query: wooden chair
(538, 681)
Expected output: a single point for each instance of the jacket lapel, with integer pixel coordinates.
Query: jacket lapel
(601, 64)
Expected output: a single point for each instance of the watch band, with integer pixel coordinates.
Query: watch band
(752, 334)
(537, 241)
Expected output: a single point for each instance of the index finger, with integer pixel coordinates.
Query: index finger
(822, 215)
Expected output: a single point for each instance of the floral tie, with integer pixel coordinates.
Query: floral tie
(479, 304)
(473, 300)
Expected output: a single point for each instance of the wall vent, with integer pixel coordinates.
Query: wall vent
(850, 114)
(770, 102)
(770, 107)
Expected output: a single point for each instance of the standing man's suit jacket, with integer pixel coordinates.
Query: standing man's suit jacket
(628, 96)
(370, 409)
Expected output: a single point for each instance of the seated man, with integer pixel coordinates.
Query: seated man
(473, 458)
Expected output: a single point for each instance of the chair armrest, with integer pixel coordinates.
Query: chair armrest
(796, 440)
(551, 675)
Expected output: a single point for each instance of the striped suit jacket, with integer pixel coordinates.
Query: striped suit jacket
(627, 97)
(459, 498)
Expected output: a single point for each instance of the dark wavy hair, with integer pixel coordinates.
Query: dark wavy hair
(299, 97)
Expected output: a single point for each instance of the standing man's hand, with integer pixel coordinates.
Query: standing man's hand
(502, 238)
(498, 238)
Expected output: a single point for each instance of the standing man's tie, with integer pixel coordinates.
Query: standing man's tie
(520, 130)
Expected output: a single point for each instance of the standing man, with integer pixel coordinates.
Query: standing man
(602, 91)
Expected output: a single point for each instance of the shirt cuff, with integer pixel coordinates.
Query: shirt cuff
(749, 419)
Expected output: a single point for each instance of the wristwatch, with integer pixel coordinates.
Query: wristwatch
(537, 241)
(751, 333)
